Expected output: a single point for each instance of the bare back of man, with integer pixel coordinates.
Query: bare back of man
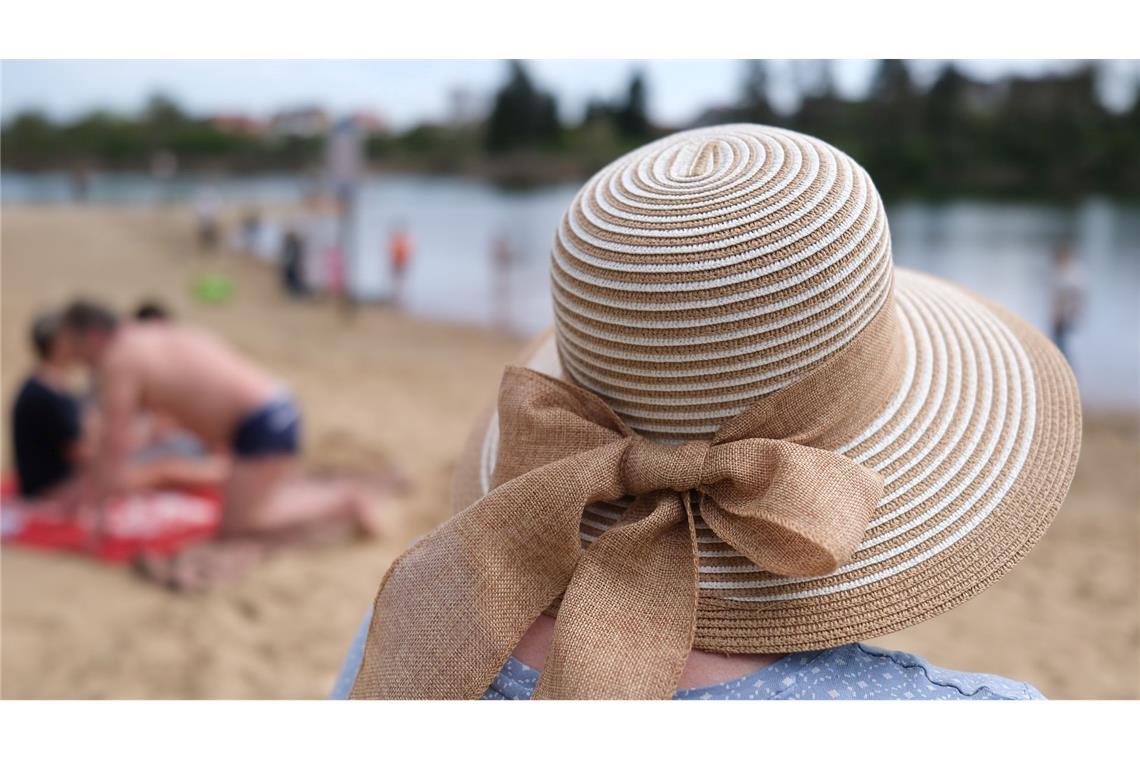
(188, 375)
(232, 405)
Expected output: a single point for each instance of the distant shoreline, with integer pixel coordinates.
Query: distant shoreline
(513, 175)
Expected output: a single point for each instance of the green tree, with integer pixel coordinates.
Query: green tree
(891, 82)
(523, 116)
(30, 141)
(631, 117)
(163, 114)
(754, 104)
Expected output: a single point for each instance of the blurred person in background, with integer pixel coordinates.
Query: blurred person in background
(318, 230)
(176, 454)
(164, 170)
(250, 231)
(53, 432)
(47, 430)
(1067, 296)
(400, 255)
(292, 263)
(231, 405)
(152, 311)
(502, 259)
(80, 177)
(336, 262)
(206, 219)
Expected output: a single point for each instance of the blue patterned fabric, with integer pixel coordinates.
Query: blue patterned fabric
(854, 671)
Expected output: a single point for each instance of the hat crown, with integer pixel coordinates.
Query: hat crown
(713, 267)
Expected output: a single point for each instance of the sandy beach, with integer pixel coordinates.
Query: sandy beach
(388, 389)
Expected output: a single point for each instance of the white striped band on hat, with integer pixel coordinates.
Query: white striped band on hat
(712, 268)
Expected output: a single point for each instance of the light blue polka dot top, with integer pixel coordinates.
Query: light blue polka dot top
(854, 671)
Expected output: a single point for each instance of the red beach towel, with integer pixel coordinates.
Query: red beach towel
(161, 522)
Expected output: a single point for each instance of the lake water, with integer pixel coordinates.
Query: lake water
(1001, 250)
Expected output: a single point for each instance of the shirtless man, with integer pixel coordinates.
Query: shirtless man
(203, 385)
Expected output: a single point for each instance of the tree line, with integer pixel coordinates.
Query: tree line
(103, 140)
(1048, 136)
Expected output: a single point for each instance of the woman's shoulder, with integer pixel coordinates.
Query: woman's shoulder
(854, 671)
(861, 671)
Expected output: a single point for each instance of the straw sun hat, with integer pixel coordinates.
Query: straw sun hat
(747, 433)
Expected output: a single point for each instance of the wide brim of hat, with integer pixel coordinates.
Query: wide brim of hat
(977, 448)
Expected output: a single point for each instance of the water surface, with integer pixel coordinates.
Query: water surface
(1001, 250)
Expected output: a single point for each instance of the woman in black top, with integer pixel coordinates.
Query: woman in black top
(46, 424)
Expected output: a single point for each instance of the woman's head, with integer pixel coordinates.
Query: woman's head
(90, 326)
(50, 343)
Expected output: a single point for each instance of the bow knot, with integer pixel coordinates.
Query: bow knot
(453, 607)
(650, 466)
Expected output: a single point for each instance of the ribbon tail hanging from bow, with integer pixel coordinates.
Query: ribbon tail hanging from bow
(454, 606)
(626, 624)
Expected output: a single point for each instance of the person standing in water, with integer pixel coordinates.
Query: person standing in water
(502, 258)
(400, 254)
(206, 218)
(1067, 297)
(318, 235)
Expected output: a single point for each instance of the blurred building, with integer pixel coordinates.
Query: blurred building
(238, 124)
(309, 121)
(466, 107)
(370, 123)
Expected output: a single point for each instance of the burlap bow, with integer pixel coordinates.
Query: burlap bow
(455, 605)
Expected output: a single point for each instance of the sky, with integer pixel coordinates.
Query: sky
(408, 92)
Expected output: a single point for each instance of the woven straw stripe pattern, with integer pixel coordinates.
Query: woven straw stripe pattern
(930, 451)
(712, 268)
(977, 448)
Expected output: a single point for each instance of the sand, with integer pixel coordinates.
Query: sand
(391, 389)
